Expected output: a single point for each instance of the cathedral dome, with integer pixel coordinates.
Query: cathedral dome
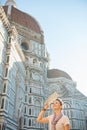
(56, 73)
(23, 19)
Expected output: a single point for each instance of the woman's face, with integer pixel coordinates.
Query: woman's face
(57, 105)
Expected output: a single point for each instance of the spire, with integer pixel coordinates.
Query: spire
(10, 3)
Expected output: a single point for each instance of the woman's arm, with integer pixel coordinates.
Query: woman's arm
(42, 119)
(67, 127)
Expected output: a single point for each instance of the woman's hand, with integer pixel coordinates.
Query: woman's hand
(46, 106)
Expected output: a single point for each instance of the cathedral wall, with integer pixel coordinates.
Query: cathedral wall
(3, 39)
(12, 80)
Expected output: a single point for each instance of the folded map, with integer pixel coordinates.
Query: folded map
(51, 98)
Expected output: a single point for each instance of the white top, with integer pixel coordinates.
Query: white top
(60, 124)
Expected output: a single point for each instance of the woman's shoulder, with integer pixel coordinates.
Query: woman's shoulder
(65, 118)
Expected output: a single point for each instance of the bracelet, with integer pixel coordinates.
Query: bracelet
(43, 109)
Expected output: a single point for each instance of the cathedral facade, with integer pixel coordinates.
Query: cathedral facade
(25, 78)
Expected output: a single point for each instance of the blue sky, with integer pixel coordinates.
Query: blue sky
(64, 23)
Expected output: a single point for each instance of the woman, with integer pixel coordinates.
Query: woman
(57, 121)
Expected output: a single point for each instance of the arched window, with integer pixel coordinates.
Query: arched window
(25, 110)
(9, 40)
(29, 111)
(37, 103)
(29, 122)
(6, 72)
(30, 100)
(67, 109)
(4, 88)
(7, 60)
(34, 61)
(30, 90)
(2, 104)
(24, 121)
(25, 98)
(24, 46)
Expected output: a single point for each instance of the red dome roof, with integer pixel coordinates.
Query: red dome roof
(55, 73)
(23, 19)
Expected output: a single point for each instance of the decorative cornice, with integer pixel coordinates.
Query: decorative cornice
(20, 52)
(4, 18)
(13, 32)
(28, 33)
